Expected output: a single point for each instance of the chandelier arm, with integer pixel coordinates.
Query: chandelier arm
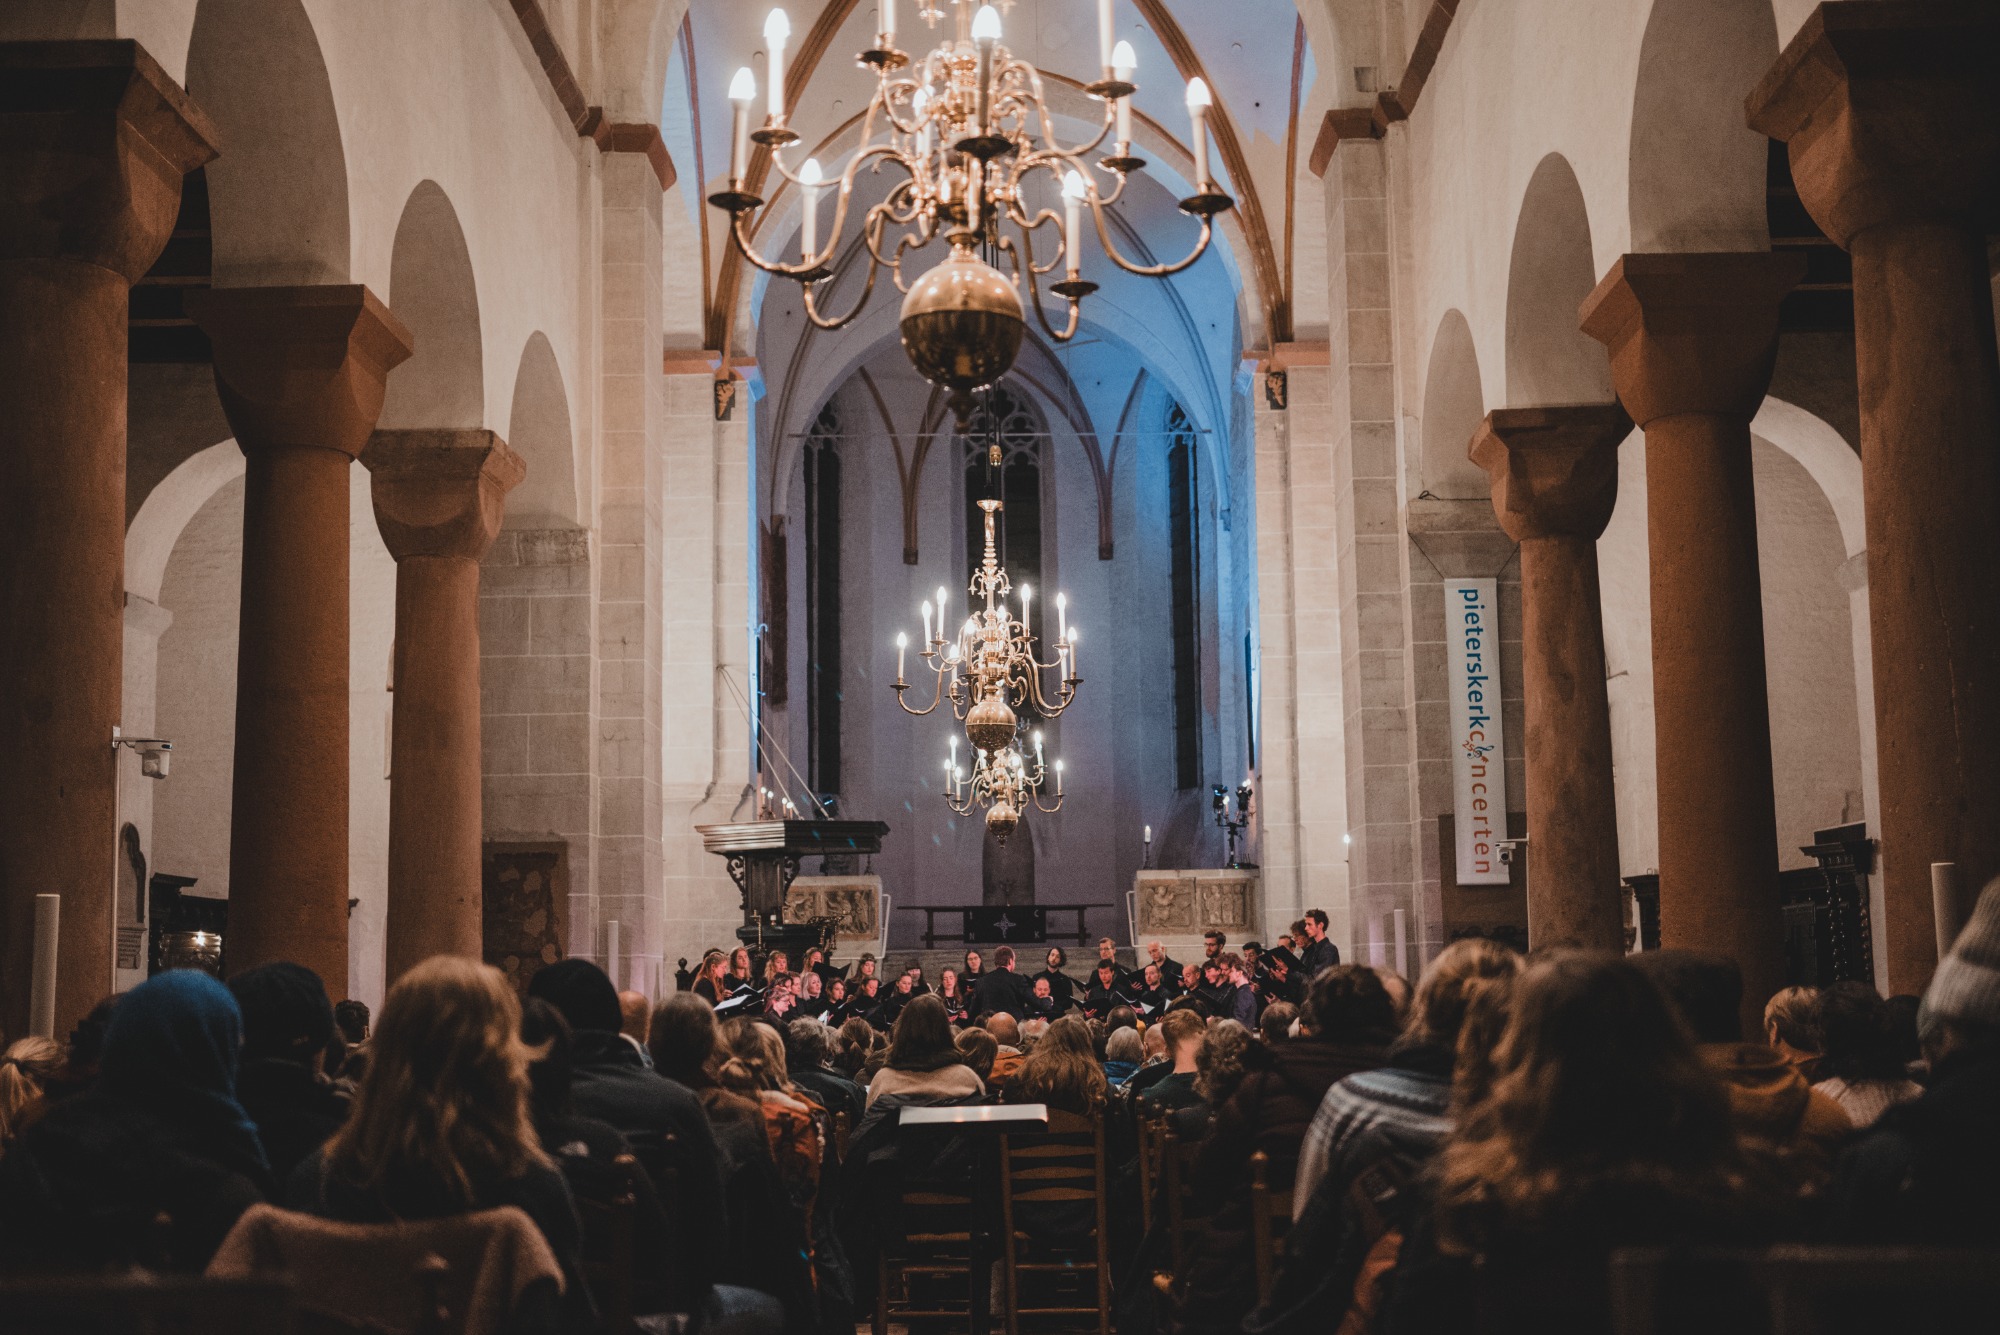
(860, 302)
(839, 228)
(1149, 270)
(1034, 79)
(1029, 226)
(1068, 332)
(937, 696)
(1117, 191)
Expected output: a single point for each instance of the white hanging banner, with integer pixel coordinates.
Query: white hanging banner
(1478, 749)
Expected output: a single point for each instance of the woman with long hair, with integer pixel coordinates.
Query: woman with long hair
(1602, 1129)
(443, 1120)
(711, 981)
(974, 970)
(1062, 988)
(739, 973)
(924, 1060)
(1860, 1066)
(25, 1068)
(1063, 1070)
(953, 995)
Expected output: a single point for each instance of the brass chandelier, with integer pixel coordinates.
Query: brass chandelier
(968, 127)
(1004, 783)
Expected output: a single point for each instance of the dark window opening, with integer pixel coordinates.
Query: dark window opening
(822, 465)
(1184, 570)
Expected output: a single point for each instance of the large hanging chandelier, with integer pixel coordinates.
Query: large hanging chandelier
(987, 669)
(969, 127)
(1004, 782)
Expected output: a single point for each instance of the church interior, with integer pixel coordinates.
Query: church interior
(750, 654)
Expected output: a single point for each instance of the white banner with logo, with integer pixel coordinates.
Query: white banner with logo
(1478, 750)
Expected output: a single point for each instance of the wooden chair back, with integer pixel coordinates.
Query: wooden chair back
(1270, 1221)
(935, 1246)
(843, 1127)
(1149, 1132)
(1176, 1179)
(1063, 1165)
(610, 1249)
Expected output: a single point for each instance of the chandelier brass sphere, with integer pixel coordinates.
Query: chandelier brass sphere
(990, 724)
(1002, 820)
(962, 325)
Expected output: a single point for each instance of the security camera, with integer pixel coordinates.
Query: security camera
(154, 753)
(1512, 851)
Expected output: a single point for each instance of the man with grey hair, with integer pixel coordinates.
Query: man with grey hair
(1170, 969)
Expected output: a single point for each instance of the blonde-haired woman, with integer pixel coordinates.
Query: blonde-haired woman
(442, 1122)
(24, 1069)
(711, 981)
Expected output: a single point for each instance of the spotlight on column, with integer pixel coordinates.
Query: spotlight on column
(155, 753)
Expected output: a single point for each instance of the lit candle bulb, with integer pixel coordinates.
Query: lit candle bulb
(927, 622)
(1149, 834)
(1073, 193)
(1124, 64)
(776, 29)
(1026, 593)
(1038, 746)
(1059, 778)
(940, 607)
(1104, 56)
(809, 177)
(887, 23)
(742, 92)
(919, 108)
(902, 643)
(1073, 672)
(1062, 617)
(985, 36)
(1198, 102)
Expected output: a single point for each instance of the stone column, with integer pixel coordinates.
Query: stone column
(1554, 473)
(1692, 340)
(439, 496)
(301, 372)
(94, 140)
(1892, 116)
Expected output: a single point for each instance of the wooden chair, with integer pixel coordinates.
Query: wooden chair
(143, 1303)
(1270, 1221)
(1805, 1290)
(1150, 1132)
(843, 1127)
(1176, 1178)
(935, 1248)
(609, 1248)
(1062, 1166)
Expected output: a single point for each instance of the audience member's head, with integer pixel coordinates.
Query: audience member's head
(807, 1045)
(1218, 1062)
(1398, 988)
(1031, 1033)
(682, 1039)
(1348, 1004)
(1791, 1023)
(444, 1107)
(1182, 1031)
(286, 1016)
(547, 1035)
(1961, 1007)
(753, 1058)
(1006, 1030)
(582, 992)
(1589, 1033)
(1124, 1045)
(1154, 1043)
(1461, 968)
(1062, 1071)
(1274, 1026)
(922, 1039)
(1855, 1040)
(851, 1050)
(25, 1069)
(1489, 1005)
(977, 1049)
(351, 1017)
(1706, 989)
(635, 1013)
(1120, 1017)
(171, 1049)
(1899, 1019)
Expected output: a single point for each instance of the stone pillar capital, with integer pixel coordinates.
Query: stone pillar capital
(301, 366)
(1554, 470)
(94, 140)
(440, 492)
(1691, 333)
(1891, 111)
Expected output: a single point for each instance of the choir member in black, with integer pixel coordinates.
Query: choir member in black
(1103, 994)
(775, 963)
(899, 995)
(1211, 945)
(1042, 1005)
(864, 971)
(781, 998)
(952, 994)
(1107, 949)
(1320, 953)
(812, 996)
(1170, 969)
(1001, 991)
(837, 1009)
(918, 987)
(711, 982)
(814, 961)
(866, 1001)
(739, 975)
(1152, 996)
(1062, 987)
(975, 969)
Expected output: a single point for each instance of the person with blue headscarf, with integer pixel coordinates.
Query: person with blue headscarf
(160, 1133)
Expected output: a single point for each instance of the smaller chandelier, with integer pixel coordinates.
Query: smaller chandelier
(1003, 782)
(989, 670)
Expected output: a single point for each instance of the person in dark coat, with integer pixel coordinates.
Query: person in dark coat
(1001, 991)
(287, 1026)
(1062, 988)
(1320, 953)
(668, 1131)
(1169, 967)
(1928, 1171)
(158, 1131)
(808, 1047)
(1103, 995)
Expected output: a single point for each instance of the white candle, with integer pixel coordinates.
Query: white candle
(1124, 63)
(776, 29)
(1038, 748)
(1104, 33)
(1025, 593)
(1073, 193)
(919, 106)
(887, 11)
(1072, 653)
(1059, 778)
(927, 621)
(742, 92)
(1197, 105)
(902, 643)
(940, 607)
(1062, 617)
(809, 177)
(985, 34)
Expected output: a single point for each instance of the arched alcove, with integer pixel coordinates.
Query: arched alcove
(279, 202)
(1454, 405)
(1697, 170)
(432, 291)
(538, 427)
(1549, 359)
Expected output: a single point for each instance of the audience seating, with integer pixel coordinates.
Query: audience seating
(1177, 1172)
(1150, 1131)
(1059, 1171)
(609, 1249)
(1806, 1290)
(143, 1303)
(1270, 1221)
(930, 1259)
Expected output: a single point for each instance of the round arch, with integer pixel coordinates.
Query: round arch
(1454, 405)
(169, 506)
(1697, 173)
(1549, 359)
(432, 291)
(538, 427)
(278, 194)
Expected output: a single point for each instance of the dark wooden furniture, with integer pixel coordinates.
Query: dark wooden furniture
(1270, 1221)
(954, 932)
(1061, 1166)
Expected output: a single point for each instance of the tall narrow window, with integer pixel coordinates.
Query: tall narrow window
(1184, 574)
(822, 465)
